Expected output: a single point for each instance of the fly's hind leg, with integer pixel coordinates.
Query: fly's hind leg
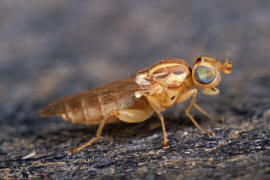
(92, 140)
(126, 115)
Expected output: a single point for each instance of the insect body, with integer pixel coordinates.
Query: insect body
(135, 99)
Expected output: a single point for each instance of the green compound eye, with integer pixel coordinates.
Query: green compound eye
(205, 74)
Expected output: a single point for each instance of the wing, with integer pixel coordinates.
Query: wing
(108, 92)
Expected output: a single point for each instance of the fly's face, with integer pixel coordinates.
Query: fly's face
(206, 73)
(168, 73)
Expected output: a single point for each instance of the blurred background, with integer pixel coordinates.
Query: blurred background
(50, 49)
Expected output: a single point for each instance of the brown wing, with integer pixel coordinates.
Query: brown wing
(108, 92)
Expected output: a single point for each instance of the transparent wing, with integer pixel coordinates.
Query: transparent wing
(108, 92)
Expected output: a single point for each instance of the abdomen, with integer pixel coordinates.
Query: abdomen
(91, 106)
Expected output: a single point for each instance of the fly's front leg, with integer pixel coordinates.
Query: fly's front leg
(183, 98)
(206, 113)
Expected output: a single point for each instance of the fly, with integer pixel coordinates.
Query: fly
(135, 99)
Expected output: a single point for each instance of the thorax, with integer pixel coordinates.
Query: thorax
(168, 96)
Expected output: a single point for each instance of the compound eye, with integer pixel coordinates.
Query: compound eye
(204, 74)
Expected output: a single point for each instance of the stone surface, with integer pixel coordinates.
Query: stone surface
(51, 49)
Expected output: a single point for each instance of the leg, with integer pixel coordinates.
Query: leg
(92, 140)
(194, 93)
(129, 115)
(206, 113)
(138, 115)
(187, 95)
(163, 129)
(132, 116)
(157, 107)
